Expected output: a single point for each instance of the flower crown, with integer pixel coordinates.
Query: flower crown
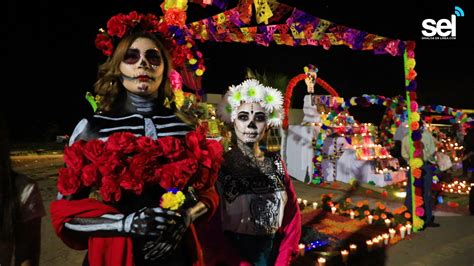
(182, 48)
(121, 25)
(251, 91)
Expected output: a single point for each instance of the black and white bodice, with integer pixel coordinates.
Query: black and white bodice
(253, 195)
(100, 126)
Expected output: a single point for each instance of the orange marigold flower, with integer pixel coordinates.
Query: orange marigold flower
(383, 216)
(381, 206)
(348, 200)
(356, 213)
(407, 215)
(376, 217)
(417, 172)
(366, 213)
(366, 202)
(360, 204)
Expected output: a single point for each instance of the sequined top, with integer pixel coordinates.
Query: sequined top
(253, 195)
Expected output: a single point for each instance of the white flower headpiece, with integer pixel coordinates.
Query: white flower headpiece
(251, 91)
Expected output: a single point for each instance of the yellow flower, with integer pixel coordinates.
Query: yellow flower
(172, 200)
(178, 98)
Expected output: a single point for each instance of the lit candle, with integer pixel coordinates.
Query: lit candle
(408, 227)
(315, 205)
(305, 202)
(345, 255)
(385, 238)
(388, 222)
(333, 209)
(352, 214)
(353, 248)
(375, 241)
(299, 200)
(321, 261)
(369, 244)
(301, 249)
(402, 232)
(391, 231)
(380, 239)
(370, 218)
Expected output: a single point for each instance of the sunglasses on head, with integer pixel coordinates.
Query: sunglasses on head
(133, 55)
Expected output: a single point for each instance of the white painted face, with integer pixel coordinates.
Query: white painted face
(250, 122)
(142, 67)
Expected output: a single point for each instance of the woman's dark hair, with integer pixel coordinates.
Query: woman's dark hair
(8, 199)
(108, 85)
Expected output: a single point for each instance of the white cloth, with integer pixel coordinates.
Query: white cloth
(311, 114)
(299, 151)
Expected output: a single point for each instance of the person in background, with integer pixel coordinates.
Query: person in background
(21, 211)
(134, 228)
(428, 168)
(259, 215)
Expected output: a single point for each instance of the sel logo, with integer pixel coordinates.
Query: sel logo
(443, 29)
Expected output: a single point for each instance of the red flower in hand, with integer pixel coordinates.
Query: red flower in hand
(172, 147)
(124, 142)
(68, 181)
(110, 189)
(90, 175)
(73, 156)
(128, 182)
(93, 150)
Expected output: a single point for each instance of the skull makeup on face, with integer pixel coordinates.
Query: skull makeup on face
(250, 123)
(142, 67)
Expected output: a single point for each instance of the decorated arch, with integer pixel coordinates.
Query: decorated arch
(300, 29)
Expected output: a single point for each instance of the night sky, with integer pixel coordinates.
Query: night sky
(50, 45)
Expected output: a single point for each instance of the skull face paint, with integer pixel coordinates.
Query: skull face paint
(250, 123)
(143, 76)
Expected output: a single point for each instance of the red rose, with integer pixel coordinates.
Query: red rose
(112, 164)
(90, 175)
(193, 140)
(128, 182)
(73, 156)
(132, 19)
(172, 147)
(176, 174)
(104, 43)
(147, 145)
(124, 142)
(150, 22)
(143, 166)
(110, 189)
(116, 25)
(68, 181)
(93, 150)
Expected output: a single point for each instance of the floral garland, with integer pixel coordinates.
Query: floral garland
(251, 91)
(416, 150)
(289, 93)
(182, 47)
(126, 162)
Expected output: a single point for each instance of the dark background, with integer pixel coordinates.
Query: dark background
(51, 60)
